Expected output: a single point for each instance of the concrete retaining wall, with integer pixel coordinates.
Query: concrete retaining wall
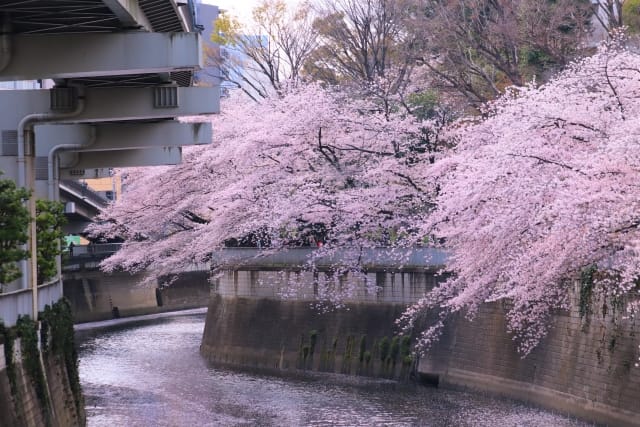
(97, 296)
(249, 325)
(20, 406)
(272, 335)
(585, 366)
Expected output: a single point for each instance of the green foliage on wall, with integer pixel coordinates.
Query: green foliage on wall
(405, 350)
(363, 348)
(313, 338)
(49, 221)
(27, 331)
(57, 333)
(586, 291)
(367, 357)
(395, 349)
(56, 339)
(14, 222)
(9, 336)
(385, 346)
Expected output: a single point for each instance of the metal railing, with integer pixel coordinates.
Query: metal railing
(20, 302)
(379, 258)
(92, 250)
(380, 287)
(89, 256)
(83, 191)
(399, 258)
(239, 258)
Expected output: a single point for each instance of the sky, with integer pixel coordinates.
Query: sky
(240, 8)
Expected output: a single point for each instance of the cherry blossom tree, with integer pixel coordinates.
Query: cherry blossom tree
(312, 157)
(542, 189)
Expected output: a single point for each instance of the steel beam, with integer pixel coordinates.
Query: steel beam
(156, 156)
(121, 136)
(101, 54)
(129, 13)
(93, 173)
(110, 104)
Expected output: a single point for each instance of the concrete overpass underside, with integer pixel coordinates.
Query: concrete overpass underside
(122, 73)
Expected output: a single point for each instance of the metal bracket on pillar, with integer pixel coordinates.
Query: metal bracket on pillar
(63, 99)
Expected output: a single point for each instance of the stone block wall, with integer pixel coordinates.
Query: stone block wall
(585, 366)
(19, 404)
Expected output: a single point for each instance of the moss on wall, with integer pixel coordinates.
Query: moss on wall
(58, 337)
(582, 368)
(35, 387)
(291, 335)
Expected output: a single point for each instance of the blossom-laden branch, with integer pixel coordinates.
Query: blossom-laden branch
(309, 158)
(526, 204)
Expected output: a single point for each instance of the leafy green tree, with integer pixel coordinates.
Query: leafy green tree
(477, 48)
(14, 222)
(49, 221)
(631, 15)
(423, 105)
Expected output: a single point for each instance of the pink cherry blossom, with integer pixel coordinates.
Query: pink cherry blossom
(546, 185)
(312, 156)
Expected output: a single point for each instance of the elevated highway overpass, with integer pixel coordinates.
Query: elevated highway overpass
(122, 72)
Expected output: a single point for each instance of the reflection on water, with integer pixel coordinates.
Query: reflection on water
(151, 374)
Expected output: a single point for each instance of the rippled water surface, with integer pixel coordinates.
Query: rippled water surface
(151, 374)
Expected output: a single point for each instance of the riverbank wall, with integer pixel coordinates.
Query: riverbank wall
(96, 296)
(39, 383)
(274, 335)
(250, 326)
(586, 365)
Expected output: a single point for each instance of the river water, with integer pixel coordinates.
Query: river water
(149, 373)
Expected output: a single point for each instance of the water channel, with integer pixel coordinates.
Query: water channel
(149, 373)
